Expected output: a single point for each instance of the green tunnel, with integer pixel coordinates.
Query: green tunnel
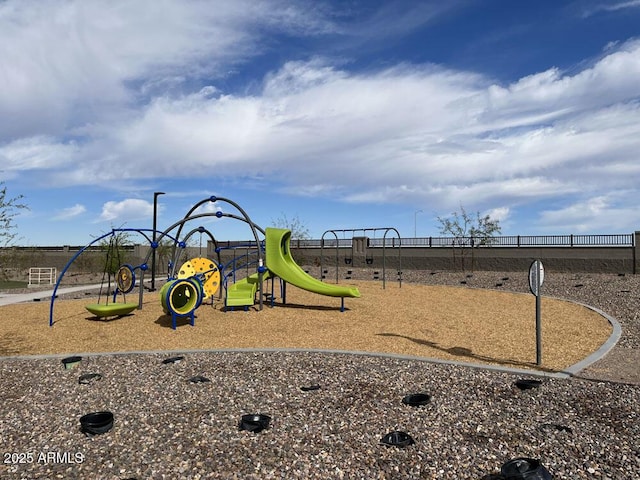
(181, 297)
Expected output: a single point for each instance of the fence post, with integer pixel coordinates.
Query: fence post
(636, 252)
(518, 241)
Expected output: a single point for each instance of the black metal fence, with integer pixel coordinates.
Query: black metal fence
(616, 240)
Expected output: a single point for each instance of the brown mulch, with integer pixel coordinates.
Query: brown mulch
(449, 323)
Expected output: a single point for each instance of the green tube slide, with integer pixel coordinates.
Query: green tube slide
(280, 263)
(181, 297)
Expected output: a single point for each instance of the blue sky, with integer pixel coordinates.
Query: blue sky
(349, 114)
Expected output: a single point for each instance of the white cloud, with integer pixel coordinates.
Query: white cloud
(117, 106)
(407, 133)
(71, 62)
(128, 209)
(614, 7)
(37, 153)
(604, 213)
(501, 213)
(209, 207)
(314, 120)
(70, 212)
(549, 96)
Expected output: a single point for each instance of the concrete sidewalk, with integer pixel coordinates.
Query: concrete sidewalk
(11, 298)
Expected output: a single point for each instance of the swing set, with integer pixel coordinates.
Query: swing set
(362, 248)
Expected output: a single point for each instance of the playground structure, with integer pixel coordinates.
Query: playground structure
(199, 279)
(360, 248)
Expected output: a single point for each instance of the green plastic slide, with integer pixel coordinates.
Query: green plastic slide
(280, 263)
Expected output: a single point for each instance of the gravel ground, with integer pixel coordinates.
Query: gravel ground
(168, 427)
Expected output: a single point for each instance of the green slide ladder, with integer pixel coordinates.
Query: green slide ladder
(243, 292)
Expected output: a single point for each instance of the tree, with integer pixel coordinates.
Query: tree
(469, 233)
(299, 230)
(163, 254)
(116, 250)
(9, 209)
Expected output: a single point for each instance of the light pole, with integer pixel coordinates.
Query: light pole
(415, 223)
(154, 246)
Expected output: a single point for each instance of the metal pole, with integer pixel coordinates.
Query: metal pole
(415, 223)
(538, 319)
(154, 246)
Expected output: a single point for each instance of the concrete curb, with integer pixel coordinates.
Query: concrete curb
(606, 346)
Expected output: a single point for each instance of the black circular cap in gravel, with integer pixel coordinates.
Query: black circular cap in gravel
(167, 361)
(96, 423)
(397, 439)
(524, 469)
(88, 378)
(417, 399)
(199, 379)
(527, 383)
(70, 362)
(309, 388)
(254, 422)
(556, 426)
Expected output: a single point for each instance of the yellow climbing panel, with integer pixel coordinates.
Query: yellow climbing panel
(205, 267)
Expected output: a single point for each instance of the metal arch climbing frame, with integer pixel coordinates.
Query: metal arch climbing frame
(178, 248)
(154, 244)
(214, 199)
(245, 217)
(364, 230)
(180, 224)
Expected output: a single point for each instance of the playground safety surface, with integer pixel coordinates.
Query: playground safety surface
(443, 322)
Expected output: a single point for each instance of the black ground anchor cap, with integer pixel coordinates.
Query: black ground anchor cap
(556, 426)
(199, 379)
(397, 439)
(525, 469)
(527, 383)
(88, 378)
(309, 388)
(178, 359)
(71, 362)
(416, 399)
(254, 422)
(96, 423)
